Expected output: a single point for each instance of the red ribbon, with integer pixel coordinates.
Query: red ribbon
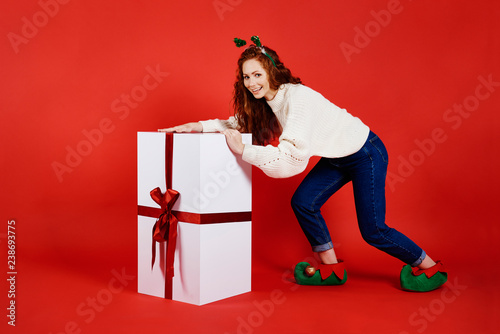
(198, 218)
(165, 229)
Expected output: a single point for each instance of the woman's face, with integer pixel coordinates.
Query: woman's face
(256, 80)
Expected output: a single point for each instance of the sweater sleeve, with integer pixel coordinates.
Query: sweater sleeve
(291, 156)
(216, 125)
(285, 160)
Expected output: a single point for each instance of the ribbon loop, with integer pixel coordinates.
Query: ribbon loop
(166, 218)
(165, 201)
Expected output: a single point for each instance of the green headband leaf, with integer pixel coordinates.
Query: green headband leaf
(239, 42)
(256, 40)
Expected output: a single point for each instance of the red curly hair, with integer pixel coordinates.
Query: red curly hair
(255, 115)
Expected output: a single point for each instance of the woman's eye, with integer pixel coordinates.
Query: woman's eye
(257, 75)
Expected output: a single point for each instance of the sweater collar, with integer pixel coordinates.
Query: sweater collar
(278, 102)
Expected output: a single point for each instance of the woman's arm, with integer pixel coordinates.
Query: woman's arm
(213, 125)
(188, 127)
(219, 125)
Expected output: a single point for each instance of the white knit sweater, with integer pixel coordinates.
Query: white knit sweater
(312, 126)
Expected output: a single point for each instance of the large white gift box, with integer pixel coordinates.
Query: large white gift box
(212, 258)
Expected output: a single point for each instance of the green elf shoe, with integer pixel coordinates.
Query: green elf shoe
(324, 274)
(423, 280)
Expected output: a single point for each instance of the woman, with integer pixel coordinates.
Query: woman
(270, 102)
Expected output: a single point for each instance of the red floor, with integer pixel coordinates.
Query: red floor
(76, 263)
(58, 295)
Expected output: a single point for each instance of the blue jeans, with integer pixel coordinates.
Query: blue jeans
(367, 169)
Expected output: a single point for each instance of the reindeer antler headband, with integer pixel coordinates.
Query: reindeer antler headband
(256, 40)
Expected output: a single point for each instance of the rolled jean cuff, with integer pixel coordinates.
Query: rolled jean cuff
(419, 260)
(322, 248)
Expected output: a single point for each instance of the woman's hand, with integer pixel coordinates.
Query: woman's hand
(233, 139)
(188, 127)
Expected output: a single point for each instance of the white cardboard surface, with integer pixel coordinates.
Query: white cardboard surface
(212, 261)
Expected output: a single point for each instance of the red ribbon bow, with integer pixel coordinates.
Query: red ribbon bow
(166, 219)
(165, 229)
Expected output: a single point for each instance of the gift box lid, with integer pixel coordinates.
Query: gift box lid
(209, 177)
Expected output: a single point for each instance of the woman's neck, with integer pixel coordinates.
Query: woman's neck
(271, 94)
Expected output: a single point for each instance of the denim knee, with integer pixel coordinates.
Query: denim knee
(298, 203)
(373, 239)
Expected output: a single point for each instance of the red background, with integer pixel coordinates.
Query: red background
(61, 78)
